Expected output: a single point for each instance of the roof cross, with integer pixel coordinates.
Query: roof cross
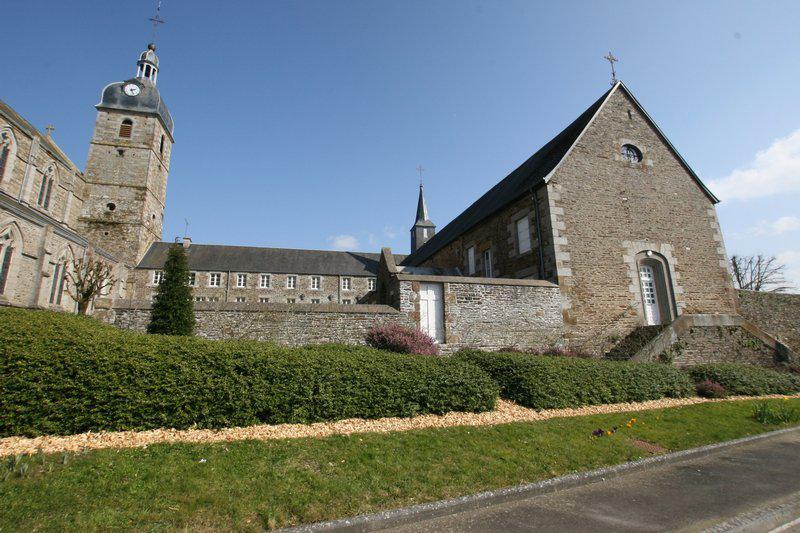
(156, 20)
(611, 59)
(49, 129)
(420, 170)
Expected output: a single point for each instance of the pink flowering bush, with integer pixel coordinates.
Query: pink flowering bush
(396, 338)
(710, 389)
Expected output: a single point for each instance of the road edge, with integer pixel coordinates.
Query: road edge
(425, 511)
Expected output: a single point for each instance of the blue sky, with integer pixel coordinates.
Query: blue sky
(300, 124)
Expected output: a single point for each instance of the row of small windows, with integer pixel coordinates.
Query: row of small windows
(264, 300)
(264, 281)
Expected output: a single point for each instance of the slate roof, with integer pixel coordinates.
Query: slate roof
(530, 174)
(223, 258)
(512, 187)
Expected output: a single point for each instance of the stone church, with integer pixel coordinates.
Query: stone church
(603, 232)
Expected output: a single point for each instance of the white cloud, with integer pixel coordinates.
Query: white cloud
(791, 258)
(390, 233)
(776, 227)
(343, 242)
(773, 171)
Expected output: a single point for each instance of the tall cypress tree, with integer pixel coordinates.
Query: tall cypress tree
(173, 310)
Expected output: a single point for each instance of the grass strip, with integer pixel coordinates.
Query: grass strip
(252, 485)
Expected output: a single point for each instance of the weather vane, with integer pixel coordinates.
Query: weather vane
(420, 170)
(611, 59)
(156, 20)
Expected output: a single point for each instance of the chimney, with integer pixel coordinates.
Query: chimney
(187, 241)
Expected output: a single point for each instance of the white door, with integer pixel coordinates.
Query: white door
(649, 295)
(431, 310)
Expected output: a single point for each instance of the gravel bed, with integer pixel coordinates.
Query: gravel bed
(505, 412)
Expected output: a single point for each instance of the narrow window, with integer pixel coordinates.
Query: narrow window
(346, 301)
(60, 289)
(263, 300)
(263, 281)
(54, 286)
(161, 148)
(315, 283)
(241, 299)
(290, 300)
(314, 300)
(346, 284)
(523, 235)
(192, 278)
(200, 299)
(158, 277)
(214, 279)
(487, 263)
(291, 283)
(6, 252)
(241, 280)
(371, 284)
(213, 298)
(126, 128)
(5, 151)
(471, 260)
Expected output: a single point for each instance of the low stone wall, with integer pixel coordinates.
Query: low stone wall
(695, 339)
(491, 313)
(289, 324)
(777, 314)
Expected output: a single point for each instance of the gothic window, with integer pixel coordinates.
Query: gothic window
(126, 128)
(7, 247)
(46, 187)
(59, 278)
(630, 153)
(8, 148)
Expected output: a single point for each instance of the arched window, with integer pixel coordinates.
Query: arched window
(8, 151)
(8, 245)
(46, 188)
(126, 128)
(656, 288)
(59, 278)
(630, 153)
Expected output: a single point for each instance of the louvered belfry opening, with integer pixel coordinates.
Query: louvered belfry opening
(126, 128)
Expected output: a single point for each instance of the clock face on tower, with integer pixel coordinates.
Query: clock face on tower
(131, 89)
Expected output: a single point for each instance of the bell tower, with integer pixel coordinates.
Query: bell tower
(128, 164)
(423, 229)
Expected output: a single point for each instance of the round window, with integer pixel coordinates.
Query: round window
(111, 206)
(630, 153)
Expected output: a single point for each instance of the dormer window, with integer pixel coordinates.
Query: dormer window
(630, 153)
(126, 128)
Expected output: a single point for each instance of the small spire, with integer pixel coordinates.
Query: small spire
(422, 207)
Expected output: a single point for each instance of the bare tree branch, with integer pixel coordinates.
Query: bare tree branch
(758, 273)
(88, 279)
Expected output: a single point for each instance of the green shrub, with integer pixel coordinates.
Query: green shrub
(546, 382)
(62, 374)
(775, 413)
(741, 379)
(173, 310)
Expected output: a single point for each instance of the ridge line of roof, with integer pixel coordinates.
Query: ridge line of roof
(193, 244)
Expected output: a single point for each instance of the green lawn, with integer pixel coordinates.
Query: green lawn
(256, 485)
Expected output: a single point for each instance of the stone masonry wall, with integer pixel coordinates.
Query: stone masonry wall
(607, 210)
(777, 314)
(491, 313)
(720, 344)
(292, 325)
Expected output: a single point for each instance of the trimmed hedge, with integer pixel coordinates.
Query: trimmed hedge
(62, 374)
(548, 382)
(749, 380)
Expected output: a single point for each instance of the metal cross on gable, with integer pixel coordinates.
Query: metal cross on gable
(49, 129)
(611, 59)
(420, 170)
(156, 20)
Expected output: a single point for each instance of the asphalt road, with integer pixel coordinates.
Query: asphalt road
(735, 488)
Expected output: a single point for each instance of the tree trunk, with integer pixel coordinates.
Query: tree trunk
(83, 307)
